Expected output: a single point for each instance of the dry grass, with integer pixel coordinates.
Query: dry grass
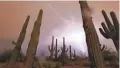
(74, 64)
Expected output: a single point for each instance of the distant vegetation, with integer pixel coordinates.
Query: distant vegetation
(6, 55)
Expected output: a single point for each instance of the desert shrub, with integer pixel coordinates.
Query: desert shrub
(76, 58)
(86, 65)
(37, 64)
(58, 65)
(82, 56)
(63, 60)
(60, 59)
(5, 55)
(51, 64)
(48, 58)
(108, 55)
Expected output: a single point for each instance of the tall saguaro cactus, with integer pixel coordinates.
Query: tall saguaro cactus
(32, 46)
(111, 31)
(17, 49)
(92, 40)
(51, 48)
(56, 50)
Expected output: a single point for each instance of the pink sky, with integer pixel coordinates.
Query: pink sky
(60, 19)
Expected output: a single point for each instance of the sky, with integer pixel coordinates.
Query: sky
(60, 19)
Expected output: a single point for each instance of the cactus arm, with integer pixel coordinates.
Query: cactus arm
(105, 28)
(110, 26)
(114, 19)
(14, 43)
(103, 48)
(113, 30)
(103, 33)
(49, 48)
(116, 26)
(58, 51)
(66, 49)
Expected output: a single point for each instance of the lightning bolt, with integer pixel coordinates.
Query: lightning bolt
(56, 12)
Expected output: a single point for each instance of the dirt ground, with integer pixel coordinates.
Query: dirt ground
(76, 64)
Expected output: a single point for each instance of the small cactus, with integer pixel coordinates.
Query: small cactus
(70, 52)
(64, 52)
(51, 48)
(56, 51)
(74, 55)
(63, 49)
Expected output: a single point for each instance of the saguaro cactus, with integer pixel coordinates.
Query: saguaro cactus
(111, 31)
(32, 46)
(51, 48)
(56, 51)
(17, 49)
(63, 49)
(92, 40)
(64, 52)
(74, 55)
(70, 52)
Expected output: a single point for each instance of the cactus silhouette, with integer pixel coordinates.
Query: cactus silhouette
(74, 55)
(64, 52)
(51, 48)
(32, 46)
(92, 40)
(63, 49)
(70, 52)
(111, 31)
(106, 52)
(17, 49)
(56, 51)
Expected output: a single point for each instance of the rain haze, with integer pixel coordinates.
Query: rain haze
(60, 19)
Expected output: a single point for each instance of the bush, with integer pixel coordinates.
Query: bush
(63, 60)
(109, 55)
(82, 56)
(51, 64)
(6, 55)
